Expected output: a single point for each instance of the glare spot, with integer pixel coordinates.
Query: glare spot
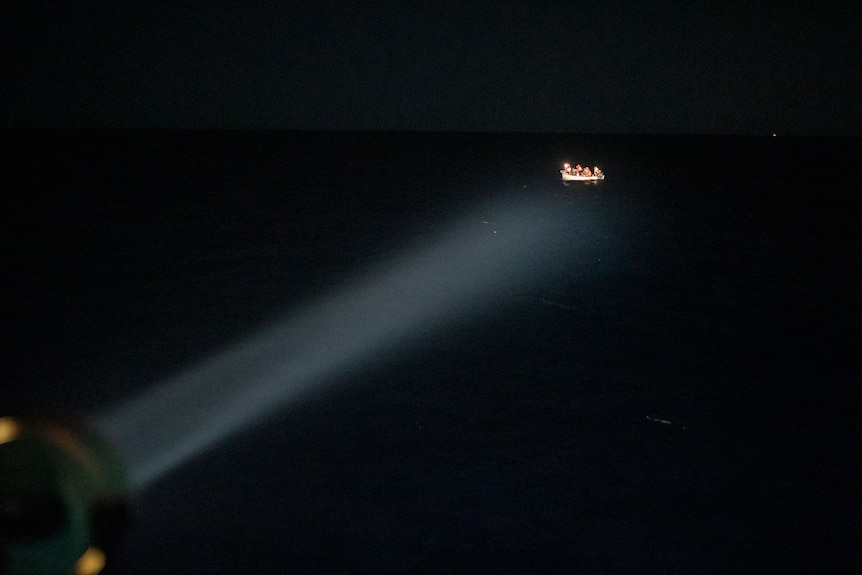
(91, 562)
(9, 429)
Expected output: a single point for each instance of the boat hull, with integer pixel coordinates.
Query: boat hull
(573, 178)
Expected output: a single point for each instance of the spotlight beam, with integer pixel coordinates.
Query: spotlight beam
(435, 285)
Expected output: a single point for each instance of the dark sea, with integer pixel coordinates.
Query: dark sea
(676, 393)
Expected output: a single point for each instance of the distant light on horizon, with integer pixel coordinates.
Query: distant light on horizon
(336, 336)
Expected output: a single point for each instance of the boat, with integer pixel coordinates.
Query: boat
(571, 174)
(576, 178)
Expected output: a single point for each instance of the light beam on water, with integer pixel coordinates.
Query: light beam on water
(432, 286)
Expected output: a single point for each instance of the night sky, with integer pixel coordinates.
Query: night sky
(598, 67)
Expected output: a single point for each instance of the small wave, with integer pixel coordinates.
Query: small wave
(557, 304)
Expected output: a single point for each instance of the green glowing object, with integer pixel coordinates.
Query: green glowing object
(63, 497)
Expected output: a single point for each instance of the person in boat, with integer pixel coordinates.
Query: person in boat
(596, 171)
(578, 169)
(587, 173)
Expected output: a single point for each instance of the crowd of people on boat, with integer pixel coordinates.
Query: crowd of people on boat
(585, 172)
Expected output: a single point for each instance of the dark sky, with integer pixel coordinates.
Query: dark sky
(592, 67)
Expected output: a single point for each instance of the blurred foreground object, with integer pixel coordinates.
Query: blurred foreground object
(63, 497)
